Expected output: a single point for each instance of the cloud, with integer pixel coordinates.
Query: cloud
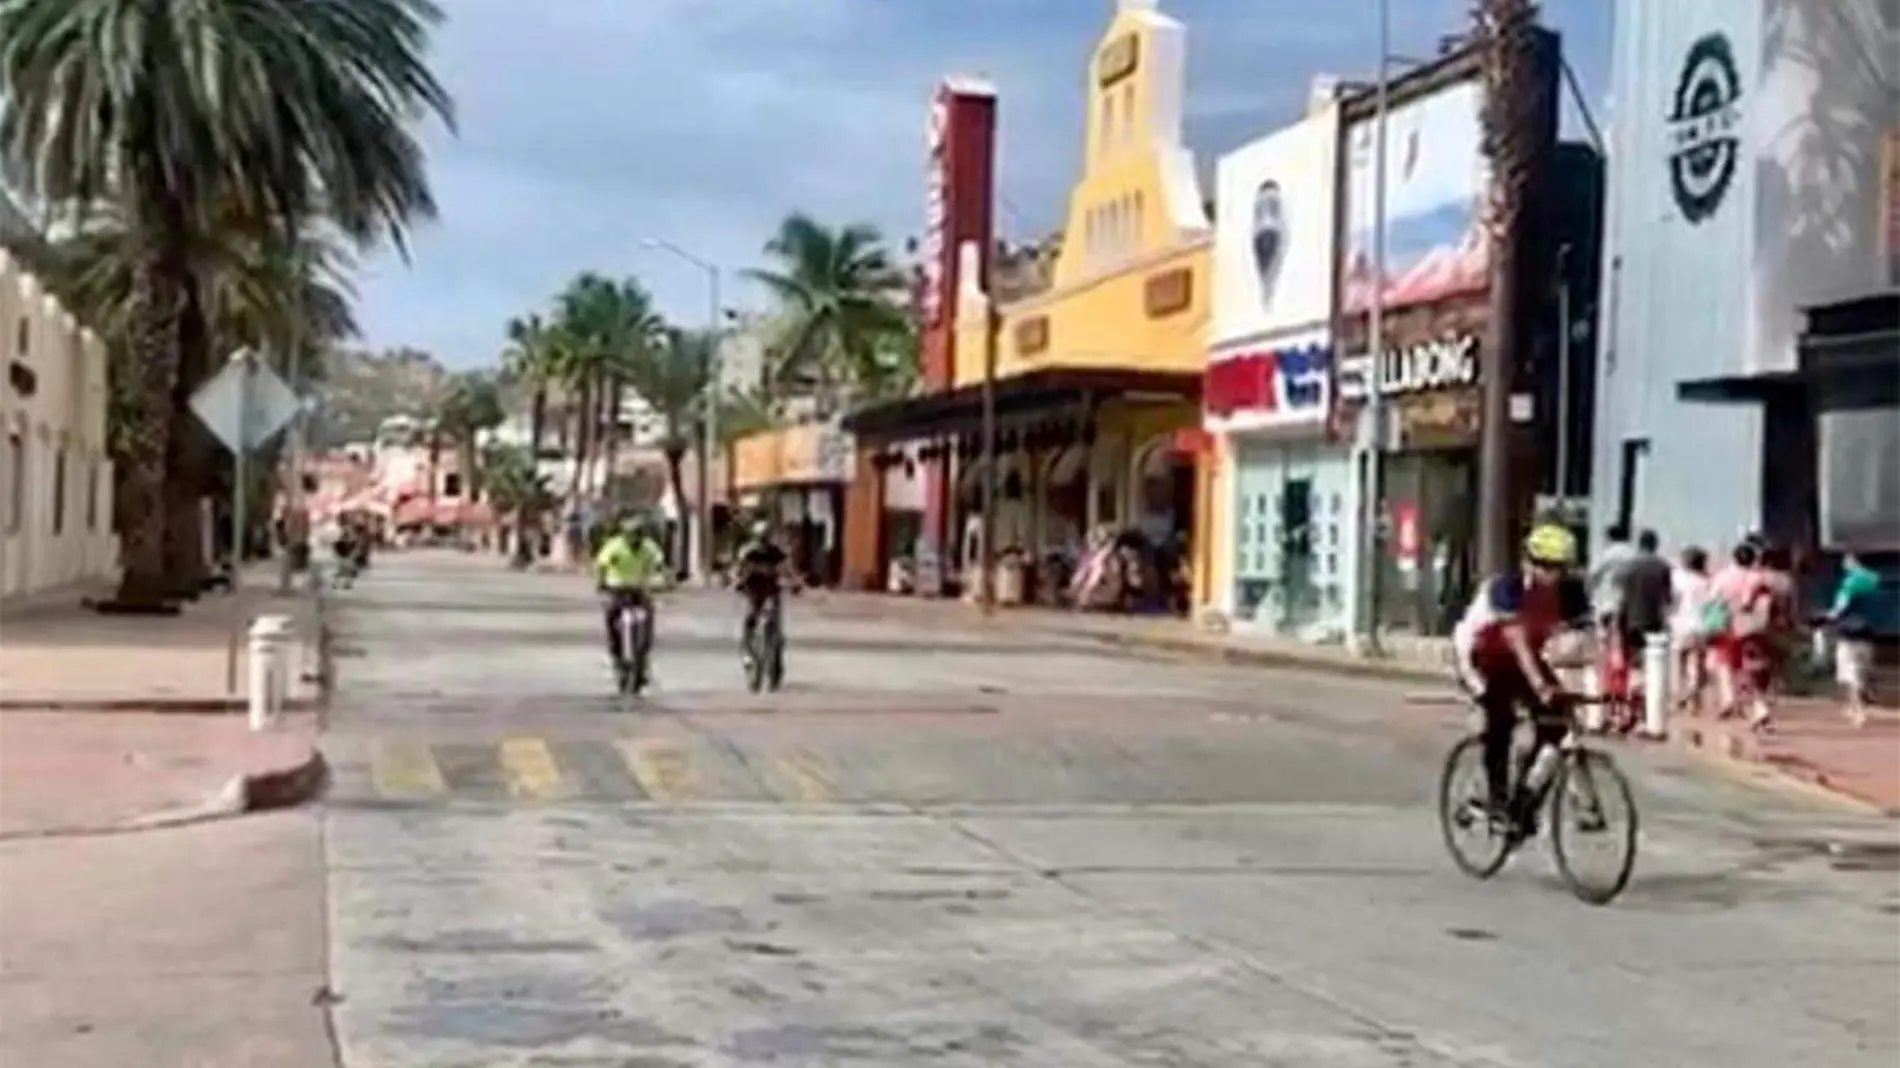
(587, 125)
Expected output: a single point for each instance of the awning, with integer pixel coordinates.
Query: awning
(960, 410)
(1738, 389)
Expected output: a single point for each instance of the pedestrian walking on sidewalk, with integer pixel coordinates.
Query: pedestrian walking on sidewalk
(1690, 593)
(1851, 618)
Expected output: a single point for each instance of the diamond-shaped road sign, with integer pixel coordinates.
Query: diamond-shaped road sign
(245, 404)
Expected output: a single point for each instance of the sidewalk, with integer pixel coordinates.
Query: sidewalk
(1814, 743)
(180, 943)
(67, 656)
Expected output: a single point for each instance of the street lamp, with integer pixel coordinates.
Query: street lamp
(708, 425)
(1371, 515)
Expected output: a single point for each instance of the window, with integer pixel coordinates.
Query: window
(92, 496)
(452, 484)
(59, 490)
(1140, 227)
(1128, 114)
(16, 480)
(22, 337)
(1106, 137)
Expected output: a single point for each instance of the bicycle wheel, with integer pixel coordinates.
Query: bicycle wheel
(1461, 790)
(1587, 794)
(775, 650)
(755, 658)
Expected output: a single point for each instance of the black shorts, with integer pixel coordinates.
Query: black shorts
(759, 590)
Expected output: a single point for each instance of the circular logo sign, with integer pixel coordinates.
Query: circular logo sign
(1705, 147)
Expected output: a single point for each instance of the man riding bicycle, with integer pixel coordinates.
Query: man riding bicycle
(762, 568)
(628, 568)
(1500, 644)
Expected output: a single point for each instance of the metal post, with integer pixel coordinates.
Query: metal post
(295, 516)
(240, 499)
(1371, 511)
(1563, 378)
(709, 430)
(1656, 685)
(986, 552)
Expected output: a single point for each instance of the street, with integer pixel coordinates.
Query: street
(959, 845)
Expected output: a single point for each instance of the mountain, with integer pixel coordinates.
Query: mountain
(361, 388)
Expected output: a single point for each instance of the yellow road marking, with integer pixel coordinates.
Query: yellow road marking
(405, 768)
(810, 785)
(660, 768)
(530, 771)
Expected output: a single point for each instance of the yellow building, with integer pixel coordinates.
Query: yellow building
(1096, 379)
(55, 475)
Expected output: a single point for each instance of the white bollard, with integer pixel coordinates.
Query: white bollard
(269, 682)
(1595, 715)
(1656, 685)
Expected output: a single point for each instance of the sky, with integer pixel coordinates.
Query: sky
(588, 127)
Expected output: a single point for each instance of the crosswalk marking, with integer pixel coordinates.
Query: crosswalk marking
(406, 769)
(809, 783)
(661, 769)
(530, 771)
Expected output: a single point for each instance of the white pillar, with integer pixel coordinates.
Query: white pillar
(1656, 685)
(269, 671)
(1594, 713)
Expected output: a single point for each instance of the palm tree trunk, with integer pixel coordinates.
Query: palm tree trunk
(191, 461)
(611, 433)
(526, 516)
(676, 472)
(157, 300)
(1506, 28)
(583, 439)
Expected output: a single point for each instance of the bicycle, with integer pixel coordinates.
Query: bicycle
(1572, 777)
(765, 649)
(631, 620)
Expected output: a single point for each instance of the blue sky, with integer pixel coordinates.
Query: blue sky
(588, 125)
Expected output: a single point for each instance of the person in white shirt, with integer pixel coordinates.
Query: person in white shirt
(1692, 590)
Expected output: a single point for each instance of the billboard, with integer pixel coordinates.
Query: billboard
(958, 208)
(1435, 182)
(1274, 231)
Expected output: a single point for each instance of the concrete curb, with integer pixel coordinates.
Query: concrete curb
(262, 791)
(183, 706)
(1242, 656)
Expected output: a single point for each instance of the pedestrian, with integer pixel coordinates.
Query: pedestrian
(1851, 618)
(1643, 599)
(1606, 592)
(1690, 592)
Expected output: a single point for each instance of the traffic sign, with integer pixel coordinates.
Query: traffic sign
(245, 404)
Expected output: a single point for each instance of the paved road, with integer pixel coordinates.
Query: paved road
(953, 846)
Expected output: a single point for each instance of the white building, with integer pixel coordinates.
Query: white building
(55, 475)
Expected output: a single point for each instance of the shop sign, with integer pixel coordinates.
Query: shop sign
(1168, 292)
(1274, 381)
(1032, 335)
(1705, 145)
(936, 209)
(1119, 60)
(1446, 363)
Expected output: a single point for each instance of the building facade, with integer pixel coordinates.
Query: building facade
(56, 522)
(1095, 376)
(1752, 191)
(1282, 528)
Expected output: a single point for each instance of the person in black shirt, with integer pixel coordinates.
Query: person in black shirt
(762, 566)
(1646, 594)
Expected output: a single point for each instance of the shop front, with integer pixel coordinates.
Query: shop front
(1092, 379)
(1281, 556)
(797, 480)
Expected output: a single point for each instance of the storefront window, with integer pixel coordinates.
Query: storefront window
(1429, 548)
(1860, 480)
(16, 481)
(1290, 568)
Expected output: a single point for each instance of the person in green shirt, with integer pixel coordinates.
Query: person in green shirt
(1852, 620)
(629, 567)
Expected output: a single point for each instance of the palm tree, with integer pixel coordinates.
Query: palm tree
(532, 358)
(252, 288)
(843, 299)
(672, 378)
(471, 408)
(1506, 35)
(169, 110)
(606, 326)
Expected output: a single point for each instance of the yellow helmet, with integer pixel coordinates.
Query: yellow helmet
(1551, 544)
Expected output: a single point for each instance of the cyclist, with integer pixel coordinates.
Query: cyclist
(628, 568)
(762, 567)
(1500, 644)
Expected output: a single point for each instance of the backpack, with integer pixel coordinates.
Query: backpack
(1715, 616)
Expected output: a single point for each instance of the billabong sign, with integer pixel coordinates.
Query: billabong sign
(1705, 146)
(1446, 363)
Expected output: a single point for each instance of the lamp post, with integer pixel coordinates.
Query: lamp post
(1371, 514)
(709, 421)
